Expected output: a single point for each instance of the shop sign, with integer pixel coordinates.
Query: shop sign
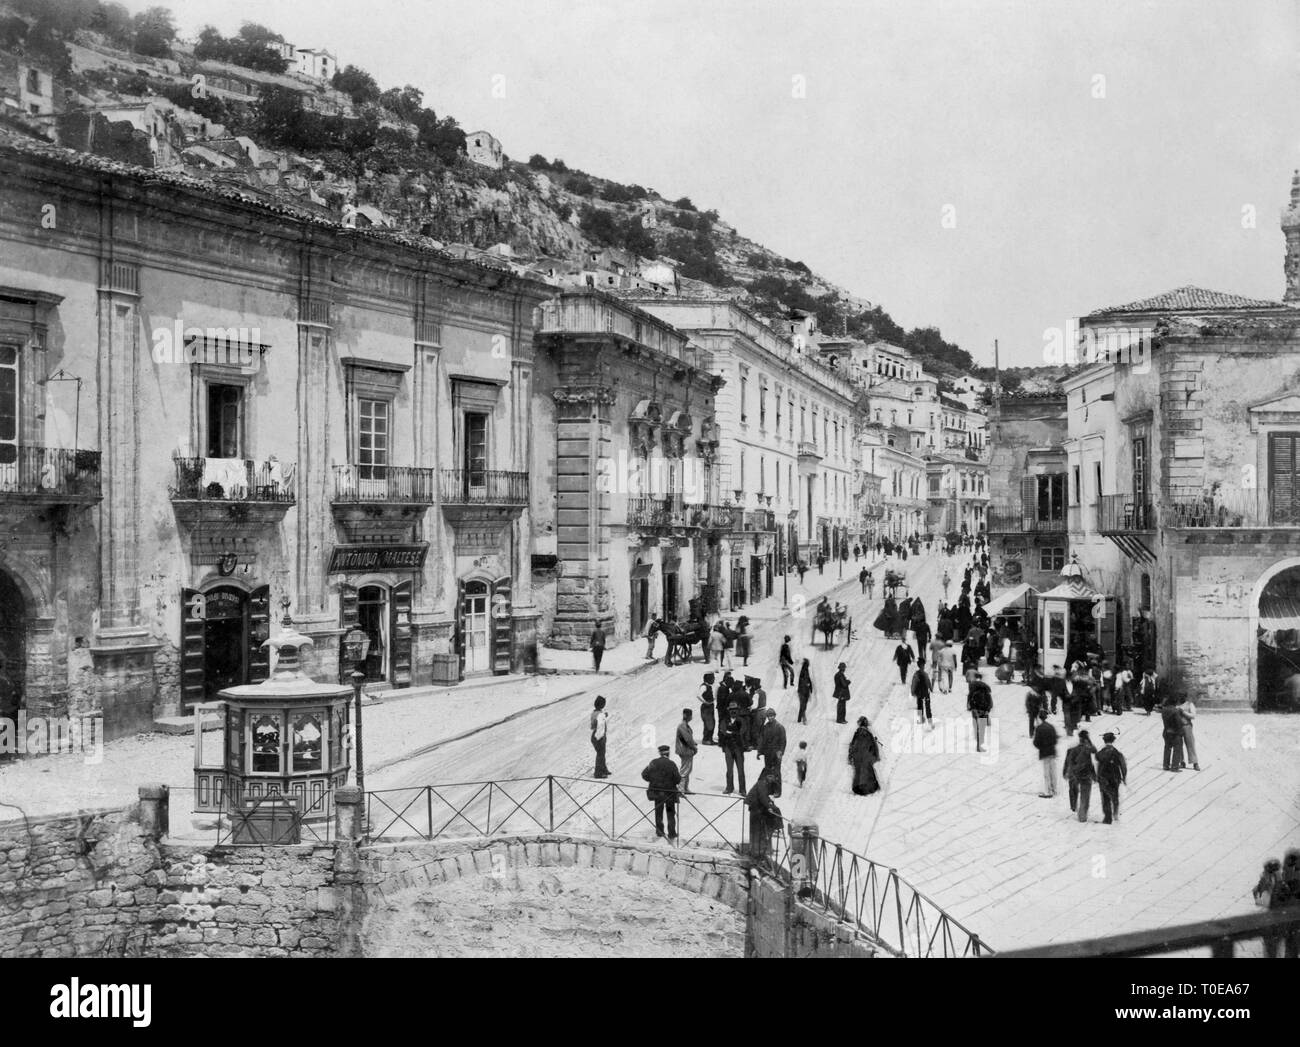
(377, 557)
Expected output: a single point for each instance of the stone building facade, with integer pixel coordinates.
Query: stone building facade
(787, 459)
(625, 459)
(272, 411)
(1183, 451)
(1029, 510)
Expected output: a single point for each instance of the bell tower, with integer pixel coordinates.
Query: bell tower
(1291, 230)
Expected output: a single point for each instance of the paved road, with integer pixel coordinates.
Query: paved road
(968, 829)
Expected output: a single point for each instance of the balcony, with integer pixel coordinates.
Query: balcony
(381, 501)
(482, 494)
(715, 518)
(48, 476)
(1122, 514)
(232, 491)
(1188, 508)
(1019, 519)
(658, 515)
(1129, 523)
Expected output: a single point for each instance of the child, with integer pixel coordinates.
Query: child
(801, 763)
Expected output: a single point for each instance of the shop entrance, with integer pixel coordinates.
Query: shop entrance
(476, 628)
(222, 631)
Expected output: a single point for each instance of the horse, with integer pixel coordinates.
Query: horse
(827, 621)
(682, 638)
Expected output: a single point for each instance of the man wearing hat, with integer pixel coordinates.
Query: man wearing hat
(841, 694)
(771, 747)
(731, 740)
(686, 750)
(1112, 770)
(662, 779)
(1079, 772)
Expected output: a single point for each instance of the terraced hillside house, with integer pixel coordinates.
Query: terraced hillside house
(625, 469)
(214, 408)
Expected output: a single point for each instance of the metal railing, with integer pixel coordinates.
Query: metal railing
(274, 820)
(546, 805)
(662, 512)
(483, 487)
(874, 897)
(1124, 514)
(1272, 929)
(711, 517)
(1016, 518)
(385, 483)
(233, 480)
(1210, 507)
(49, 472)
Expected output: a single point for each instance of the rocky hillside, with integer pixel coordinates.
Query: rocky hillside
(348, 147)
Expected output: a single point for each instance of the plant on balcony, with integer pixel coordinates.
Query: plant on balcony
(215, 490)
(86, 461)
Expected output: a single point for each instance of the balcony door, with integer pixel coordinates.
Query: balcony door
(8, 416)
(474, 455)
(225, 428)
(476, 628)
(1141, 476)
(373, 443)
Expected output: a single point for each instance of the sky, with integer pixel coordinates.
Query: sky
(995, 169)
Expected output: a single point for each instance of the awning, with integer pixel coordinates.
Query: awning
(1278, 612)
(1008, 599)
(641, 570)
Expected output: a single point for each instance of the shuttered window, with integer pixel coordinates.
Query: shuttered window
(8, 404)
(1283, 484)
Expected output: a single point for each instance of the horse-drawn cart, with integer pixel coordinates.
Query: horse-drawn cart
(895, 580)
(828, 622)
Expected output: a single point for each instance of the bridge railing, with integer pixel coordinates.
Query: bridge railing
(548, 804)
(856, 889)
(1278, 930)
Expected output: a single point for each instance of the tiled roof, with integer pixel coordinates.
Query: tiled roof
(1189, 299)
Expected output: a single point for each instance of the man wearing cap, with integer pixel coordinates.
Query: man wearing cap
(663, 778)
(787, 664)
(841, 694)
(771, 747)
(1112, 769)
(979, 700)
(686, 750)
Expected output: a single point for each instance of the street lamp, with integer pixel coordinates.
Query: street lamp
(356, 645)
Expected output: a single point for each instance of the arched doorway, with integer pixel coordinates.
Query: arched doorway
(476, 628)
(13, 647)
(1277, 640)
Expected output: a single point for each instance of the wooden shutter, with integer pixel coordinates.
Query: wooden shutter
(499, 612)
(259, 627)
(348, 617)
(193, 674)
(1282, 486)
(1030, 504)
(1107, 623)
(399, 603)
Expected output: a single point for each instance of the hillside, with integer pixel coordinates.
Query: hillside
(346, 146)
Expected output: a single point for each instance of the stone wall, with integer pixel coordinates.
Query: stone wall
(783, 927)
(101, 883)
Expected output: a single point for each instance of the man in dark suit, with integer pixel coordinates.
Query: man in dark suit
(841, 694)
(731, 738)
(771, 747)
(663, 779)
(1112, 771)
(764, 816)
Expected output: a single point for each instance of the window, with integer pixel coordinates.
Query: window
(1096, 483)
(372, 439)
(762, 407)
(778, 412)
(1051, 558)
(1146, 593)
(790, 419)
(744, 387)
(476, 449)
(1283, 474)
(803, 418)
(1078, 491)
(776, 474)
(1051, 497)
(8, 404)
(33, 81)
(762, 474)
(225, 421)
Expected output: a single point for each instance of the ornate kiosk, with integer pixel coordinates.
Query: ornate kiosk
(284, 740)
(1074, 619)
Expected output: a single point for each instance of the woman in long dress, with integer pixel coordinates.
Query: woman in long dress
(887, 620)
(864, 754)
(805, 689)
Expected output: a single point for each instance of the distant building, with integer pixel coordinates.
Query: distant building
(483, 149)
(318, 64)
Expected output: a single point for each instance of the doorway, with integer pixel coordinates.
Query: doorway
(225, 640)
(13, 647)
(476, 628)
(670, 596)
(373, 620)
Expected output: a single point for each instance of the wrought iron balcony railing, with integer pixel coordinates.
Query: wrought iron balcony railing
(483, 487)
(234, 480)
(658, 512)
(1124, 514)
(1202, 507)
(385, 483)
(1014, 518)
(49, 473)
(711, 517)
